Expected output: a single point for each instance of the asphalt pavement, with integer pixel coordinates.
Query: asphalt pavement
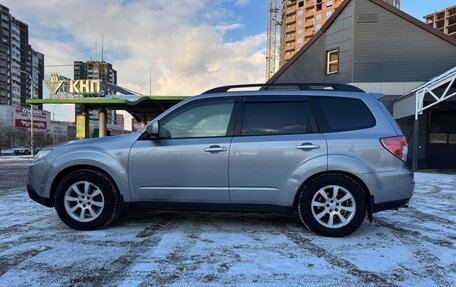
(13, 173)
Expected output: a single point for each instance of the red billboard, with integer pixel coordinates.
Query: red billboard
(25, 123)
(22, 119)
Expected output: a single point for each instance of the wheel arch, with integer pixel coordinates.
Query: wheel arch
(367, 194)
(66, 171)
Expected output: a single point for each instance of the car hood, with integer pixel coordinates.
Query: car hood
(97, 142)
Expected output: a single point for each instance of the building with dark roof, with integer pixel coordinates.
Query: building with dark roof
(379, 48)
(301, 19)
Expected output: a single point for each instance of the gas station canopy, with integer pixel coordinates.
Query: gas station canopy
(137, 106)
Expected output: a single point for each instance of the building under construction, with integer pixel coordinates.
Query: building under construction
(301, 19)
(444, 20)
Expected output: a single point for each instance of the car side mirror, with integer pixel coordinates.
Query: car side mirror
(153, 129)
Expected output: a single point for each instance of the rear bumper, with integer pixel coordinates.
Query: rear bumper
(391, 205)
(34, 195)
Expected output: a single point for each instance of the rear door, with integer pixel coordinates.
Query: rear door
(277, 142)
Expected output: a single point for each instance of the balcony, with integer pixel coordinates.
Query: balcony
(291, 19)
(290, 46)
(288, 56)
(309, 13)
(308, 33)
(291, 10)
(290, 29)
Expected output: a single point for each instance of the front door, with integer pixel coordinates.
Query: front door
(189, 160)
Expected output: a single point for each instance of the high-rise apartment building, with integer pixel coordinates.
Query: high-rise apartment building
(444, 20)
(17, 61)
(301, 19)
(96, 70)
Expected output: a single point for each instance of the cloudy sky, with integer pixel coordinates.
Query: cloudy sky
(188, 45)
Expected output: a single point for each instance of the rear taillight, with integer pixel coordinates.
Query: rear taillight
(397, 146)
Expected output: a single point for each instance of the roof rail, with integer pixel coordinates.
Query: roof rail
(298, 86)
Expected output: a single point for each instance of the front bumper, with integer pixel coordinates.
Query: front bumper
(41, 200)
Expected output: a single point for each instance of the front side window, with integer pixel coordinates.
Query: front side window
(275, 118)
(332, 62)
(203, 120)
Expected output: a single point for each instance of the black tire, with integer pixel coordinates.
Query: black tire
(111, 196)
(311, 189)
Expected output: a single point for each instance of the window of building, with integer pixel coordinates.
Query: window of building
(204, 120)
(329, 4)
(332, 61)
(318, 17)
(300, 41)
(328, 15)
(300, 32)
(336, 114)
(300, 13)
(301, 4)
(300, 22)
(443, 128)
(318, 27)
(275, 118)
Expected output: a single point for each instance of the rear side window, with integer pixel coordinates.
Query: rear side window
(276, 118)
(336, 114)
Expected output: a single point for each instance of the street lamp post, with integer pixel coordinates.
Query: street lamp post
(53, 123)
(32, 149)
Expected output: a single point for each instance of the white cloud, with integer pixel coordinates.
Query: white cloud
(241, 2)
(186, 53)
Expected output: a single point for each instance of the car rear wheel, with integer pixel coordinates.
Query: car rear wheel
(332, 205)
(87, 200)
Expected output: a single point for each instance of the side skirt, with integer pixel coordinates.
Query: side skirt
(212, 207)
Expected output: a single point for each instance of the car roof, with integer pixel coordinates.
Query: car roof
(281, 93)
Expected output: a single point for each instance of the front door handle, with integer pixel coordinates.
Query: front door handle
(307, 146)
(215, 149)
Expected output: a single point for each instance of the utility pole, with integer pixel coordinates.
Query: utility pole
(32, 150)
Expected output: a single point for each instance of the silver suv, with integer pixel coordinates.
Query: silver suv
(332, 153)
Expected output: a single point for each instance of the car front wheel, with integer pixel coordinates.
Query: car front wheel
(87, 200)
(332, 205)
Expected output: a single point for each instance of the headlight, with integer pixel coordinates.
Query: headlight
(41, 154)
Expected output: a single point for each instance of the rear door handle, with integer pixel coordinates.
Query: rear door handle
(307, 146)
(215, 149)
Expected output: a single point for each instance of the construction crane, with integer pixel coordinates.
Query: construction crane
(271, 45)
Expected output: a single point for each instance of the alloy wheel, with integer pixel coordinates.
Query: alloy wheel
(84, 201)
(333, 206)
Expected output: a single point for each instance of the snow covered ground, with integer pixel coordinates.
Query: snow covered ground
(409, 247)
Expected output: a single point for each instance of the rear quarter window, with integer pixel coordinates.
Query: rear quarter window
(337, 114)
